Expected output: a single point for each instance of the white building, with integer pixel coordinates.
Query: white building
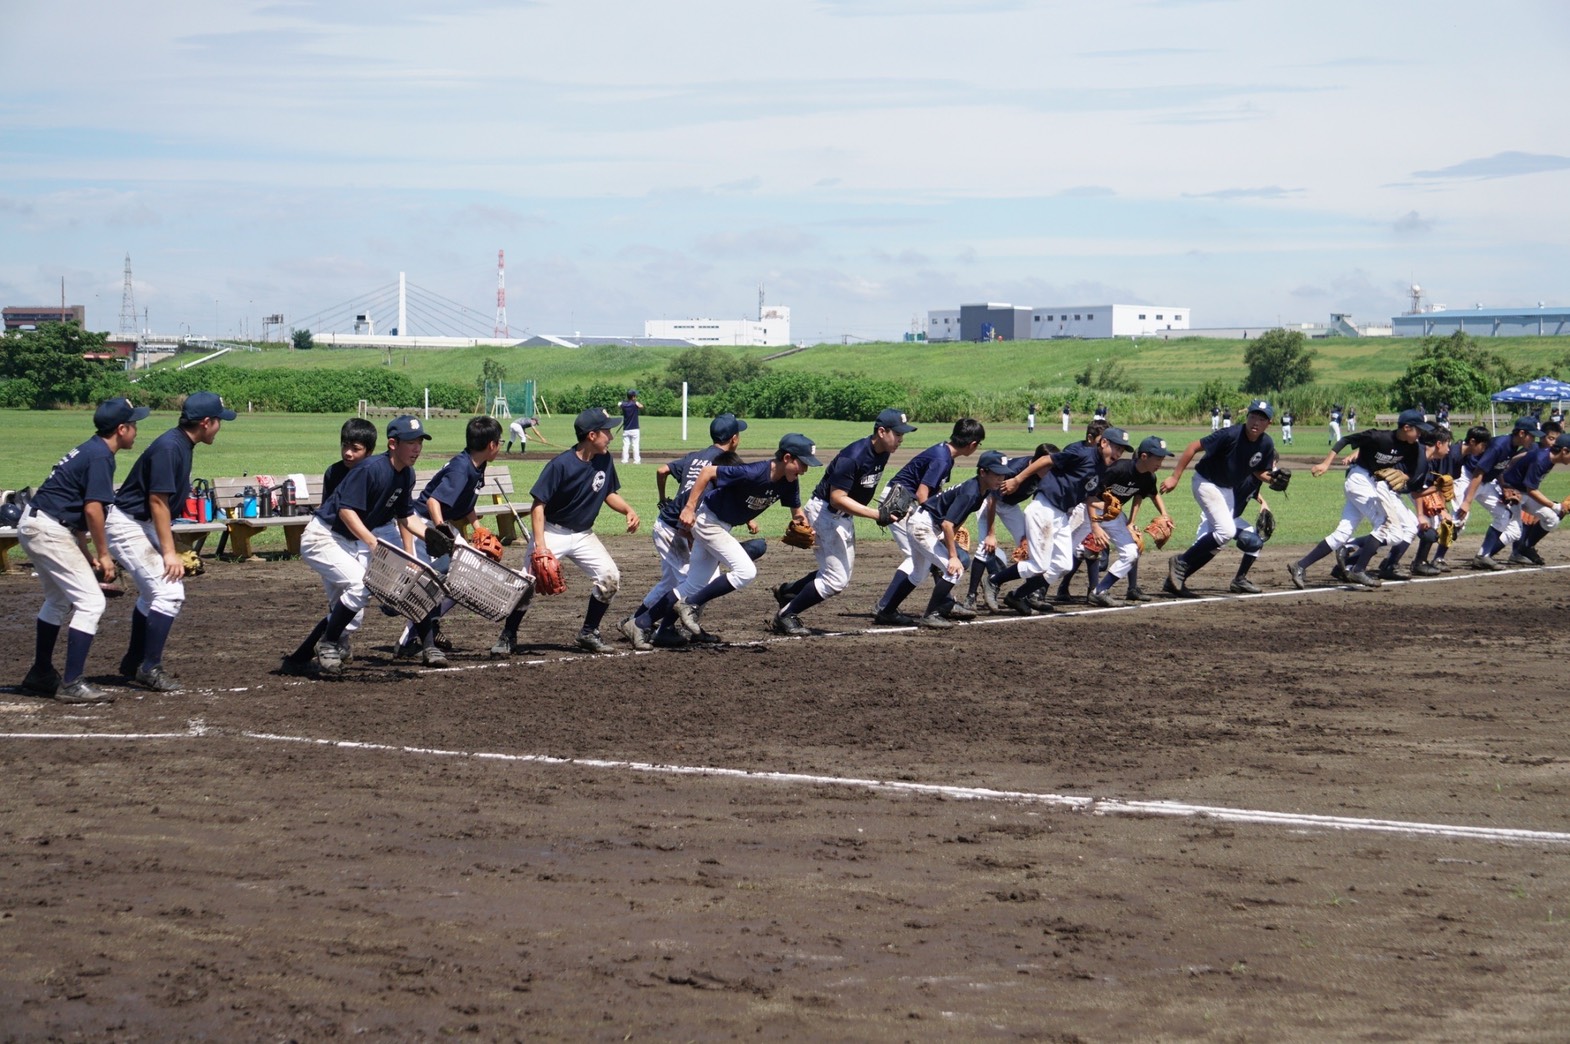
(772, 327)
(1048, 321)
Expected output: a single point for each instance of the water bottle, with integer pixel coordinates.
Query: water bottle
(248, 502)
(264, 497)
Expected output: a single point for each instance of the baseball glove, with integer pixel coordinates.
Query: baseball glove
(896, 504)
(1445, 486)
(439, 540)
(1509, 495)
(1279, 479)
(1447, 532)
(487, 543)
(1265, 524)
(1160, 530)
(962, 538)
(1111, 506)
(1139, 539)
(1021, 551)
(1093, 545)
(1395, 478)
(548, 578)
(1431, 503)
(194, 566)
(1564, 507)
(798, 535)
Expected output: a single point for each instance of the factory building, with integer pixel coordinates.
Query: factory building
(999, 321)
(772, 327)
(1541, 321)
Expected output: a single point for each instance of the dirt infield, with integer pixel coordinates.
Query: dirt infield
(532, 849)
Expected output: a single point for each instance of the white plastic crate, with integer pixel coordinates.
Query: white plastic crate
(403, 583)
(484, 586)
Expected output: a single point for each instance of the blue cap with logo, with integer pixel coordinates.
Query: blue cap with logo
(203, 405)
(1530, 424)
(994, 461)
(1263, 408)
(595, 418)
(406, 428)
(1155, 445)
(726, 427)
(895, 421)
(1118, 437)
(112, 413)
(800, 447)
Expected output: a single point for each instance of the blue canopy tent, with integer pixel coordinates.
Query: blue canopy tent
(1540, 390)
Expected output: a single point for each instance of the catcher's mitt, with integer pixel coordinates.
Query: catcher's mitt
(548, 578)
(1431, 503)
(896, 504)
(1111, 506)
(1021, 551)
(1395, 478)
(1279, 479)
(1160, 530)
(1445, 486)
(487, 543)
(962, 538)
(798, 535)
(1265, 523)
(439, 540)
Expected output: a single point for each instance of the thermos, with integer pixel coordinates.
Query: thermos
(286, 498)
(264, 496)
(248, 502)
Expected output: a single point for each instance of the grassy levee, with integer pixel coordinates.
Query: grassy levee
(1177, 365)
(277, 444)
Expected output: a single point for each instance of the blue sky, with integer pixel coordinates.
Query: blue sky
(865, 160)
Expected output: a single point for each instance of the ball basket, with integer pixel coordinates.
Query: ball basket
(402, 582)
(484, 586)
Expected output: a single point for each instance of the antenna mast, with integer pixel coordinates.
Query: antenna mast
(127, 302)
(501, 296)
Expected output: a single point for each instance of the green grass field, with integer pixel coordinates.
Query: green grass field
(1174, 366)
(31, 442)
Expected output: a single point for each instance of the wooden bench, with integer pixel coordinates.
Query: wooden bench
(187, 537)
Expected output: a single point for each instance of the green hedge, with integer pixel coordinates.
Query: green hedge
(287, 390)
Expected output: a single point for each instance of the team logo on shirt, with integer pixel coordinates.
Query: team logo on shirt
(1091, 482)
(599, 481)
(1253, 462)
(761, 503)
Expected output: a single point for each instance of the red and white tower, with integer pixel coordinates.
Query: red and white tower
(501, 296)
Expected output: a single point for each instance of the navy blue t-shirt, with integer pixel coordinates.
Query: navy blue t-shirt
(1074, 477)
(1526, 472)
(1125, 481)
(685, 470)
(572, 489)
(332, 476)
(1230, 457)
(1493, 461)
(955, 504)
(373, 489)
(740, 493)
(1027, 489)
(928, 468)
(85, 474)
(163, 469)
(856, 469)
(456, 487)
(629, 414)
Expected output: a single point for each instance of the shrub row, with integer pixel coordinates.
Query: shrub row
(287, 390)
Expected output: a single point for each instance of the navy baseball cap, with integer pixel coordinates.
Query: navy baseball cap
(1118, 437)
(1417, 418)
(895, 421)
(631, 392)
(1263, 408)
(801, 447)
(726, 426)
(204, 404)
(1562, 444)
(406, 428)
(112, 413)
(1528, 424)
(994, 461)
(1155, 445)
(595, 418)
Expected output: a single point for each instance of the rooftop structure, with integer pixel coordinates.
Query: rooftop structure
(1542, 321)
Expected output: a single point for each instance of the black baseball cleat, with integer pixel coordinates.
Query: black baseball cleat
(1102, 598)
(433, 657)
(1177, 572)
(1134, 594)
(1425, 569)
(1019, 603)
(591, 642)
(506, 645)
(1359, 578)
(989, 592)
(669, 638)
(81, 692)
(1243, 585)
(158, 680)
(1299, 576)
(956, 611)
(935, 621)
(789, 625)
(41, 683)
(1391, 573)
(893, 618)
(1485, 562)
(1172, 590)
(1529, 553)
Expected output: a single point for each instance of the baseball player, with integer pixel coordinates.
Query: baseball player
(1248, 490)
(568, 496)
(1442, 413)
(924, 476)
(338, 540)
(1434, 520)
(449, 497)
(1370, 498)
(1067, 414)
(356, 441)
(1226, 416)
(1067, 480)
(1007, 510)
(1215, 416)
(142, 540)
(728, 496)
(1132, 480)
(843, 494)
(519, 430)
(1522, 478)
(1286, 427)
(1083, 555)
(74, 499)
(934, 523)
(1231, 456)
(1030, 419)
(1485, 463)
(672, 541)
(1351, 419)
(1101, 412)
(631, 412)
(1335, 423)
